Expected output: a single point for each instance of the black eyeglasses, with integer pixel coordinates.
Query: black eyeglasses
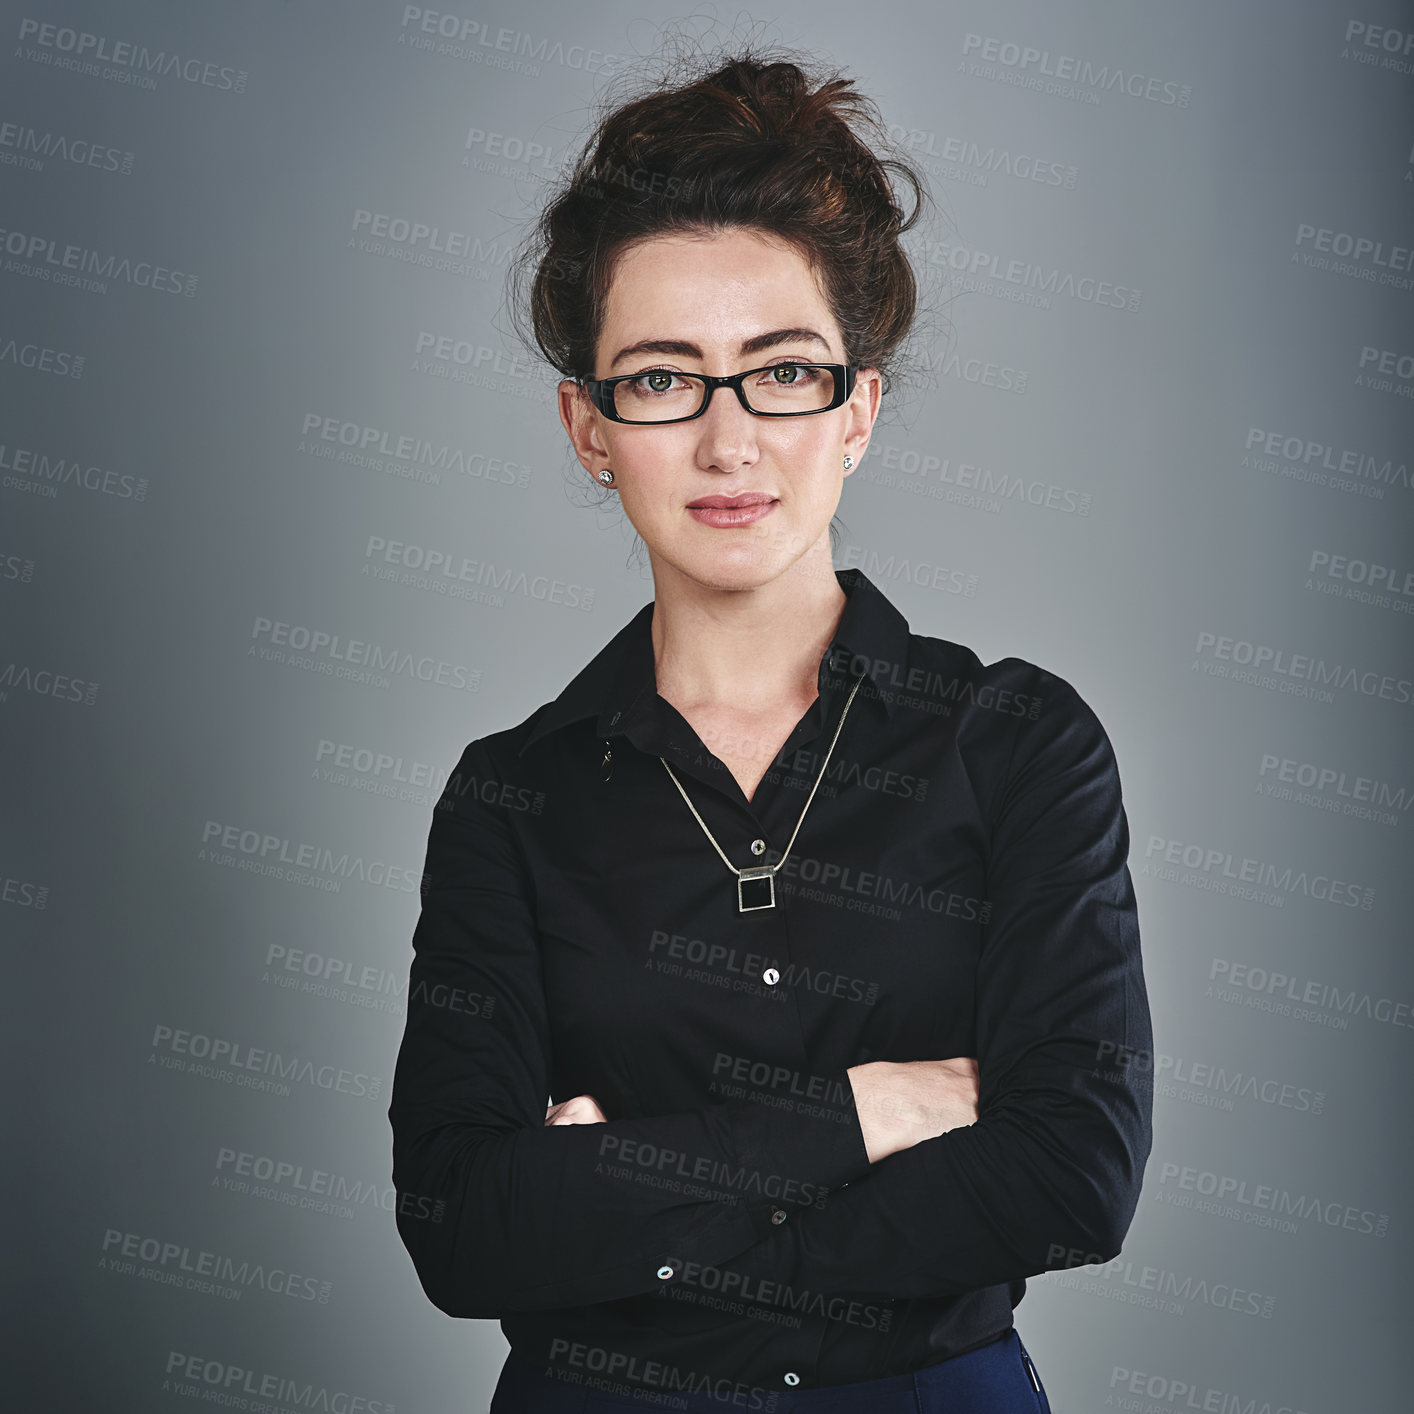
(661, 395)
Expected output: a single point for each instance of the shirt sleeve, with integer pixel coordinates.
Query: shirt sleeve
(499, 1212)
(1050, 1174)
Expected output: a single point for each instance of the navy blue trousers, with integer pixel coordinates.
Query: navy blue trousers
(996, 1378)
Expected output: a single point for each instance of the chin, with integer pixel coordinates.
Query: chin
(732, 567)
(735, 577)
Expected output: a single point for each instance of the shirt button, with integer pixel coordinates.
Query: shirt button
(758, 846)
(792, 1378)
(778, 1215)
(770, 976)
(664, 1272)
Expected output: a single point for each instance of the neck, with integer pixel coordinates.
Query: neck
(752, 650)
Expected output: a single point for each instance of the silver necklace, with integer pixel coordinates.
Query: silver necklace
(758, 883)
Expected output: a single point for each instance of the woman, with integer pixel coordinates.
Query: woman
(816, 933)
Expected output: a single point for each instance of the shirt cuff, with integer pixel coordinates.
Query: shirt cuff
(795, 1154)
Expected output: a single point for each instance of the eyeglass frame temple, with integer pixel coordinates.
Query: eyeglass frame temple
(600, 391)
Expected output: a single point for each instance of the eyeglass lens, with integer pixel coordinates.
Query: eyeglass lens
(661, 394)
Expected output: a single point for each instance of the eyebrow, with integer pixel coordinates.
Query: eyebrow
(758, 343)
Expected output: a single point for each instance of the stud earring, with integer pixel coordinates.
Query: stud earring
(848, 463)
(607, 477)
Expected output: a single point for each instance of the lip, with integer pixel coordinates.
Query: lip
(726, 512)
(746, 498)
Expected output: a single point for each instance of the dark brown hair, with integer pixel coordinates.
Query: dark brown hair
(759, 142)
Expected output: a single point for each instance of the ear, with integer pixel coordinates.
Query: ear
(863, 408)
(580, 419)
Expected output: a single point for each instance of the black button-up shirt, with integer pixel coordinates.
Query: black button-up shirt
(958, 887)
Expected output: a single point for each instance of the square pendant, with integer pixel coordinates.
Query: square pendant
(756, 888)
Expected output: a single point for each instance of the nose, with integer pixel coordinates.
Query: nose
(727, 431)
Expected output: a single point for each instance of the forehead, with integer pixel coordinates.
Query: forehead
(719, 283)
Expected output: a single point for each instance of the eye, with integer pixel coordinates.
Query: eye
(800, 373)
(653, 380)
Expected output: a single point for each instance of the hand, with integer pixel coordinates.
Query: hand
(902, 1103)
(582, 1109)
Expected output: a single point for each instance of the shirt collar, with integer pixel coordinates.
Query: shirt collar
(620, 681)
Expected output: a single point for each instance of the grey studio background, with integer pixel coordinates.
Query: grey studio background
(287, 518)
